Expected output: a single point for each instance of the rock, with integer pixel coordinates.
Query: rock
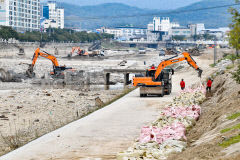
(81, 94)
(19, 107)
(3, 116)
(98, 102)
(70, 102)
(36, 120)
(48, 94)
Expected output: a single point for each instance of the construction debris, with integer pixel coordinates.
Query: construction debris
(167, 134)
(194, 52)
(170, 51)
(10, 76)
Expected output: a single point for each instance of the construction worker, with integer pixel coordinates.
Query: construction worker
(209, 84)
(153, 67)
(182, 84)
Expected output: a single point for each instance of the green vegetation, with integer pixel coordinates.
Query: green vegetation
(236, 75)
(230, 141)
(231, 128)
(234, 34)
(234, 116)
(179, 38)
(52, 35)
(231, 57)
(230, 66)
(212, 65)
(7, 33)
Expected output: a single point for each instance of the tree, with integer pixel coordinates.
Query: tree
(234, 34)
(179, 37)
(7, 33)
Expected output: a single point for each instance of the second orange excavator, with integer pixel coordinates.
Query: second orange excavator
(159, 81)
(57, 70)
(80, 52)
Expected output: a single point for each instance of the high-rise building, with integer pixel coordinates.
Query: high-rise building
(45, 12)
(159, 29)
(22, 15)
(53, 15)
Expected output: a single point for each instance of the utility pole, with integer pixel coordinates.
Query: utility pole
(215, 51)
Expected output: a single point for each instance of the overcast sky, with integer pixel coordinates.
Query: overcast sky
(150, 4)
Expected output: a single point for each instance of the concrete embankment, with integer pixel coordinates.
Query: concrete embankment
(26, 49)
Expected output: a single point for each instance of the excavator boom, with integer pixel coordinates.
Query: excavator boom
(171, 61)
(38, 53)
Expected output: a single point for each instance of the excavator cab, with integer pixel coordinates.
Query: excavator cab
(150, 72)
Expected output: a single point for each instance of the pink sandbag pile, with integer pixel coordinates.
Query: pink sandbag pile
(201, 89)
(175, 131)
(181, 112)
(167, 134)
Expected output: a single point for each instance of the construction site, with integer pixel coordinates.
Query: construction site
(90, 101)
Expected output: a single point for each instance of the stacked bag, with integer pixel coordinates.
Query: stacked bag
(167, 134)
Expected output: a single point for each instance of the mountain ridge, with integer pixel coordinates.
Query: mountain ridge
(92, 17)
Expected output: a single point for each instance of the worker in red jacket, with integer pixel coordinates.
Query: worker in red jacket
(182, 84)
(209, 84)
(153, 67)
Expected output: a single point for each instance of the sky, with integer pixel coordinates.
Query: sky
(149, 4)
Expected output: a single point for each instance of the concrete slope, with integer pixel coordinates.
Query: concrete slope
(101, 134)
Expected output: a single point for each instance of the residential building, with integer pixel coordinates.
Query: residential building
(22, 15)
(159, 29)
(45, 12)
(49, 23)
(180, 31)
(219, 33)
(53, 14)
(196, 28)
(161, 24)
(125, 33)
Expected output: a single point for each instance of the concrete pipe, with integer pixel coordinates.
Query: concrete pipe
(6, 76)
(3, 75)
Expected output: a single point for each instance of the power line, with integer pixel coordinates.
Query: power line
(150, 14)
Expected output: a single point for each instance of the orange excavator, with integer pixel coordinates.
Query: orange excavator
(159, 81)
(80, 52)
(57, 70)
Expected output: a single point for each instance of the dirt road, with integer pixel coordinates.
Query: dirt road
(107, 131)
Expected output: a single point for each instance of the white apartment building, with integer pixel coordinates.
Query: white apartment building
(22, 15)
(53, 14)
(125, 33)
(159, 29)
(196, 28)
(180, 31)
(161, 24)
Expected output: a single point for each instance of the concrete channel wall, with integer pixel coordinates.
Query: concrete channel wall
(26, 49)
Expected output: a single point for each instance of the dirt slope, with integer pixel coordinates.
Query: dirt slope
(205, 137)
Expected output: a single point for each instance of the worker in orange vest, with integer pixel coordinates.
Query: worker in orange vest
(209, 84)
(182, 84)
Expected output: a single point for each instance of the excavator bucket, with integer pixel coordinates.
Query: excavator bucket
(200, 73)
